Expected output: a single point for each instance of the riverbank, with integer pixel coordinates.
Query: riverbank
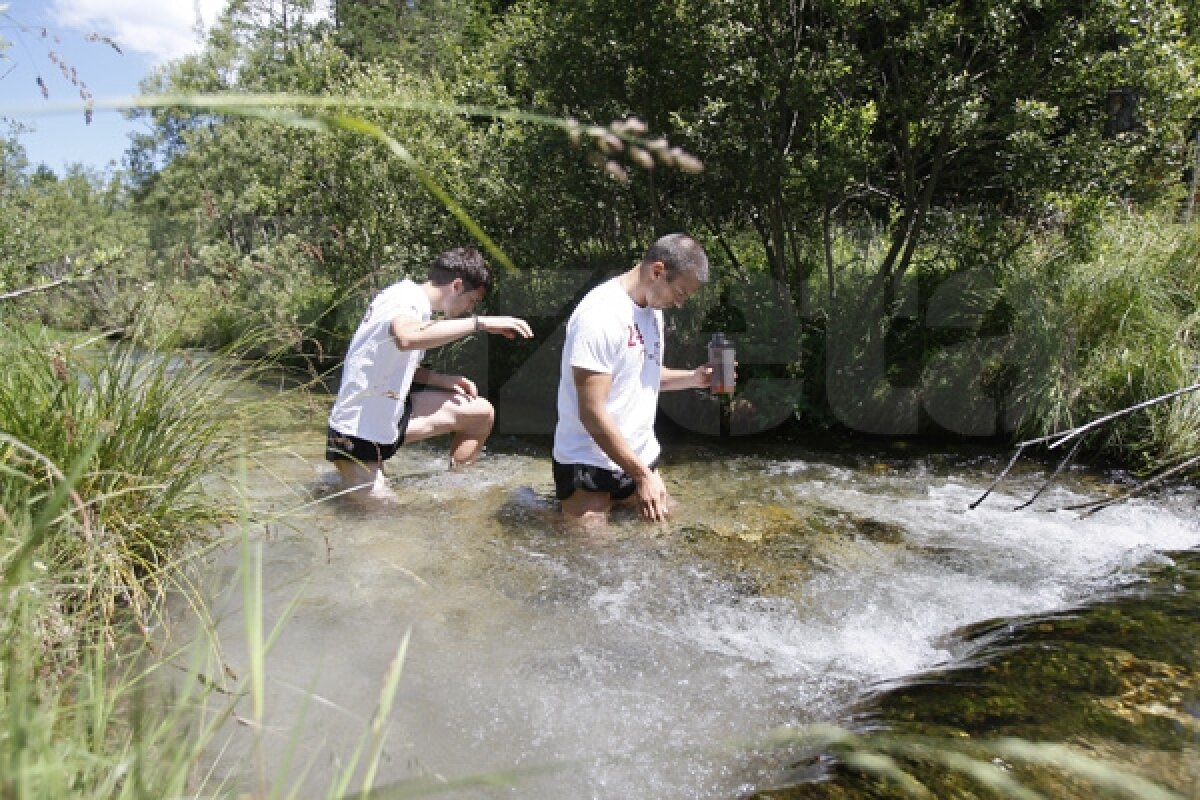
(104, 451)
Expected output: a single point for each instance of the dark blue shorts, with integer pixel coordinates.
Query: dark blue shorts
(344, 447)
(569, 477)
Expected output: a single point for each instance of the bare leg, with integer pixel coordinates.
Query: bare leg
(366, 481)
(469, 419)
(587, 511)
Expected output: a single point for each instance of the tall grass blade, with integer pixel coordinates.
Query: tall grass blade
(354, 124)
(384, 710)
(53, 507)
(350, 123)
(1102, 773)
(887, 768)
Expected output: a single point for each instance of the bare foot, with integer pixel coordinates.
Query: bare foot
(371, 495)
(381, 493)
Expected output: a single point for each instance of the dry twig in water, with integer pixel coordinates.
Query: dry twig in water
(1062, 437)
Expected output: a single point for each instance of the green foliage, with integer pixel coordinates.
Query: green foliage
(142, 429)
(1109, 331)
(85, 726)
(102, 457)
(78, 230)
(262, 203)
(91, 711)
(863, 156)
(433, 37)
(815, 119)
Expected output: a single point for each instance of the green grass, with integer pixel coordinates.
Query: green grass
(107, 455)
(103, 454)
(142, 429)
(1109, 331)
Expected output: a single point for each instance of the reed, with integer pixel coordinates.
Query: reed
(1108, 330)
(107, 453)
(77, 711)
(112, 716)
(142, 428)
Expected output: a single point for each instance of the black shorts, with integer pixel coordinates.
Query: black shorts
(344, 447)
(569, 477)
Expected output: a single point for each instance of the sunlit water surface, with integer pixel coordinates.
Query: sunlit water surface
(650, 661)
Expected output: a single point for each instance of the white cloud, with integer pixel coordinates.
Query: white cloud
(160, 29)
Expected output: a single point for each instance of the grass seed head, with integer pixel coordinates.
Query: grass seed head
(616, 172)
(642, 158)
(633, 126)
(574, 131)
(686, 162)
(610, 143)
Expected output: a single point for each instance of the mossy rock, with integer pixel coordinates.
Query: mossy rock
(1117, 684)
(769, 549)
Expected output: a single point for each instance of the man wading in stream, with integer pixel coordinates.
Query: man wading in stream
(377, 410)
(605, 451)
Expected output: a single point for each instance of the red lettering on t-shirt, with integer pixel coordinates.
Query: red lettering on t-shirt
(635, 336)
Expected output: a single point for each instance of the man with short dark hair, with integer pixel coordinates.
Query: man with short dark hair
(376, 410)
(612, 370)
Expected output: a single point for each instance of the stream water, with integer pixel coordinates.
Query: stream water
(789, 587)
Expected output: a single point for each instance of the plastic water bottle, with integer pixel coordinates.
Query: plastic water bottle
(721, 359)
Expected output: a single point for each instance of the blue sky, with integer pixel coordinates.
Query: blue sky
(148, 33)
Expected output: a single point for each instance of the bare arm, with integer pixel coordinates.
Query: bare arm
(458, 384)
(672, 380)
(410, 333)
(593, 389)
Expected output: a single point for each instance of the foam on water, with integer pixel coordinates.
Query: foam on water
(876, 613)
(891, 615)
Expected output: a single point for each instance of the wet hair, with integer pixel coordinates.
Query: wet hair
(462, 262)
(680, 254)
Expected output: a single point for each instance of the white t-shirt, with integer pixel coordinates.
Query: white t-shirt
(610, 333)
(377, 374)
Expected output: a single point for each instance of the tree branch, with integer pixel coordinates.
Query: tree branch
(1093, 507)
(1062, 437)
(1066, 436)
(54, 284)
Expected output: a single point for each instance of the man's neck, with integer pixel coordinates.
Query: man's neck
(436, 295)
(631, 282)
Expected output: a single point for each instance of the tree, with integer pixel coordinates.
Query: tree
(816, 119)
(429, 37)
(284, 215)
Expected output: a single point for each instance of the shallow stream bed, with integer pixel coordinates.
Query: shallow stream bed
(791, 586)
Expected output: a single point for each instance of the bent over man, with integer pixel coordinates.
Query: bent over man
(612, 370)
(377, 410)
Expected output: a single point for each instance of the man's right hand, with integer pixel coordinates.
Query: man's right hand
(510, 327)
(653, 498)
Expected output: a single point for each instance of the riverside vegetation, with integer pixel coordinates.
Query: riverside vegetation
(102, 455)
(861, 162)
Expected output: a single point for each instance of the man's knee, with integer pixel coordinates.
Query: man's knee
(477, 414)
